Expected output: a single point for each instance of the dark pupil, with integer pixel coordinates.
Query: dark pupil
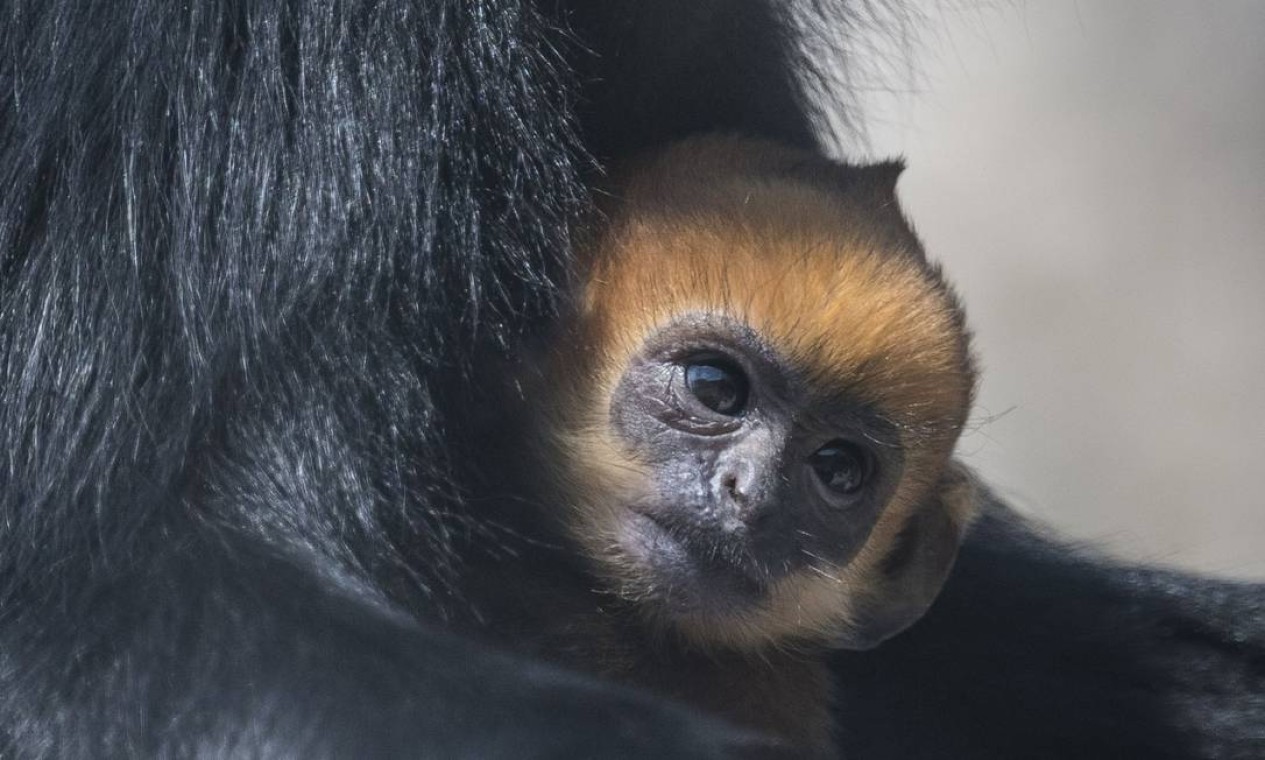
(720, 386)
(841, 467)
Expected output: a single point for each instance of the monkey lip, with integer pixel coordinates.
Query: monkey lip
(690, 570)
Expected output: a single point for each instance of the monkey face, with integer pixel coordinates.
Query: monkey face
(757, 400)
(749, 477)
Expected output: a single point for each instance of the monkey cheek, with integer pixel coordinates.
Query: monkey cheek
(652, 550)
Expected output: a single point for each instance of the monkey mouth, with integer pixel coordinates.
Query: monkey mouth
(691, 569)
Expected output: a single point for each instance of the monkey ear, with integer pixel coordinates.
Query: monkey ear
(874, 184)
(903, 582)
(870, 190)
(880, 179)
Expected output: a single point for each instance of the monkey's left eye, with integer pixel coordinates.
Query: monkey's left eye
(718, 384)
(842, 467)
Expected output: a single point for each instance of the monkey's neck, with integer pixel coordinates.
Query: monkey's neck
(541, 602)
(785, 694)
(781, 693)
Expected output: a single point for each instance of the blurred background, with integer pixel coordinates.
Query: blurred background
(1092, 176)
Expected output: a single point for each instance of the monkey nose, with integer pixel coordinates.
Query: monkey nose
(736, 482)
(740, 487)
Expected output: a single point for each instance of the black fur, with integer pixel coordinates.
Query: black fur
(1036, 649)
(247, 251)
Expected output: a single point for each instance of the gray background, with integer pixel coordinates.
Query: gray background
(1092, 176)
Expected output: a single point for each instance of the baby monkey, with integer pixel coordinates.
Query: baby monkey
(746, 426)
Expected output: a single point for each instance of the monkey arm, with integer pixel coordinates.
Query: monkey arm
(225, 650)
(1038, 649)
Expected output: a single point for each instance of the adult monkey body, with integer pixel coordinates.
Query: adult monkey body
(746, 419)
(246, 249)
(243, 250)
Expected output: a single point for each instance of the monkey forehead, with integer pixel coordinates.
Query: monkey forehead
(853, 316)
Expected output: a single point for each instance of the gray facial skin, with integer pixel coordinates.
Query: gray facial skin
(741, 496)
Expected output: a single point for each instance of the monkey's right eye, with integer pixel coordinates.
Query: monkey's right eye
(718, 384)
(842, 467)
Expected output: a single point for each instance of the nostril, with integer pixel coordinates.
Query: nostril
(730, 482)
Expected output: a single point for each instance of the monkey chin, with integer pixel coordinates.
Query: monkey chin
(684, 578)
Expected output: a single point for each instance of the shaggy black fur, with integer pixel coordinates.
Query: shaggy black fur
(1036, 649)
(248, 248)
